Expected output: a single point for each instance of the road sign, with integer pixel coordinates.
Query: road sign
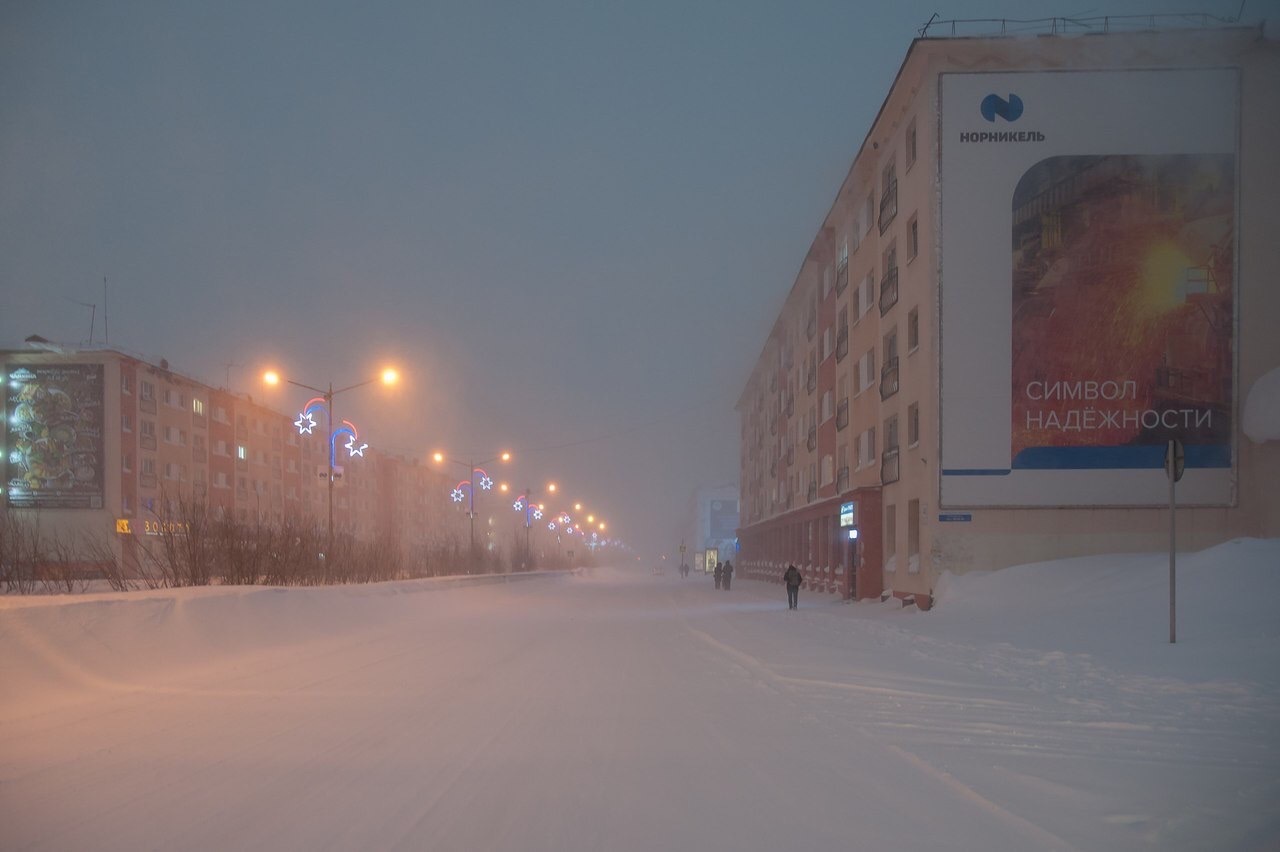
(1175, 459)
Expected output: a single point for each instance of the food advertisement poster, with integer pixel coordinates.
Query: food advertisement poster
(54, 425)
(1088, 285)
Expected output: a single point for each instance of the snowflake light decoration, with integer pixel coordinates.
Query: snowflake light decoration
(457, 495)
(537, 514)
(485, 482)
(518, 505)
(306, 422)
(551, 525)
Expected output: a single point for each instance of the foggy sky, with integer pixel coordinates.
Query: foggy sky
(571, 225)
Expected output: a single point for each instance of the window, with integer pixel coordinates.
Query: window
(891, 345)
(126, 383)
(828, 470)
(913, 424)
(149, 466)
(869, 213)
(166, 396)
(148, 391)
(242, 452)
(126, 423)
(197, 407)
(913, 535)
(170, 471)
(220, 414)
(826, 344)
(867, 294)
(911, 144)
(828, 407)
(913, 237)
(148, 428)
(126, 462)
(913, 330)
(891, 433)
(126, 504)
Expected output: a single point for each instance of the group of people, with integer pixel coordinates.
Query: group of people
(723, 574)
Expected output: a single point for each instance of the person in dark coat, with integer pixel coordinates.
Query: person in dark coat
(793, 580)
(728, 574)
(719, 573)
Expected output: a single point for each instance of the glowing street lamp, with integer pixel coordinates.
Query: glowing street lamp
(306, 423)
(466, 489)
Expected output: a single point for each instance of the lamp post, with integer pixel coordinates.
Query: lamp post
(486, 483)
(532, 512)
(306, 422)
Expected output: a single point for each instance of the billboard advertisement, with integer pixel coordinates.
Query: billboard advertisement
(1088, 307)
(53, 425)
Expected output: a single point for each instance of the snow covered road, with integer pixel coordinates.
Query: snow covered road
(616, 711)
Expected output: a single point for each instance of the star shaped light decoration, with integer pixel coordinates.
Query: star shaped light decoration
(305, 423)
(457, 495)
(518, 505)
(354, 450)
(551, 525)
(486, 483)
(537, 514)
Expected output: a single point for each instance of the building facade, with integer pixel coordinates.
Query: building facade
(99, 442)
(1050, 256)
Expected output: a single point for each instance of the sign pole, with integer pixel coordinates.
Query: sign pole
(1174, 463)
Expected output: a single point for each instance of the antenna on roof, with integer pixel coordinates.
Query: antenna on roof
(93, 315)
(106, 329)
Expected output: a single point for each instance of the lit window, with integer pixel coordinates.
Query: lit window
(242, 452)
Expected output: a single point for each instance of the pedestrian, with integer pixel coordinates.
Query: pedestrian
(793, 580)
(718, 573)
(728, 574)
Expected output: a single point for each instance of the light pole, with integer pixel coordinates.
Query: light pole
(532, 512)
(486, 483)
(306, 422)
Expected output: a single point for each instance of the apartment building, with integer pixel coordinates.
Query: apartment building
(1049, 257)
(101, 442)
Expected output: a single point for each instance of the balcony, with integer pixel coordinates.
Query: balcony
(147, 442)
(889, 378)
(811, 442)
(842, 344)
(813, 492)
(889, 466)
(888, 290)
(197, 454)
(147, 404)
(888, 206)
(842, 480)
(147, 480)
(811, 379)
(842, 277)
(842, 414)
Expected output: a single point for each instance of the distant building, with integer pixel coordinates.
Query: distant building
(101, 442)
(1052, 254)
(711, 525)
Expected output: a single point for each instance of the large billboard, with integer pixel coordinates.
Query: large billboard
(53, 426)
(1088, 307)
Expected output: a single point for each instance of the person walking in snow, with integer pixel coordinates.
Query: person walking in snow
(718, 573)
(793, 580)
(728, 574)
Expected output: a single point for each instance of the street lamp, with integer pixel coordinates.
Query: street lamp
(532, 512)
(306, 423)
(470, 483)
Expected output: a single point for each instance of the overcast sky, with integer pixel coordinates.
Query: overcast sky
(571, 224)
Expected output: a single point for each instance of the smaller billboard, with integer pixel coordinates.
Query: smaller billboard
(848, 514)
(53, 429)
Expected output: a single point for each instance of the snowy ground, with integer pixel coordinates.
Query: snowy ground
(1041, 708)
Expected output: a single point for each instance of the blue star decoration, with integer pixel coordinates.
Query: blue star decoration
(305, 423)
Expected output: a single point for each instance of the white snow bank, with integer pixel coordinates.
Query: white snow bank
(1262, 408)
(1116, 608)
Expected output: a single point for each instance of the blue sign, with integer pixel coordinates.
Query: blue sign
(848, 514)
(953, 517)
